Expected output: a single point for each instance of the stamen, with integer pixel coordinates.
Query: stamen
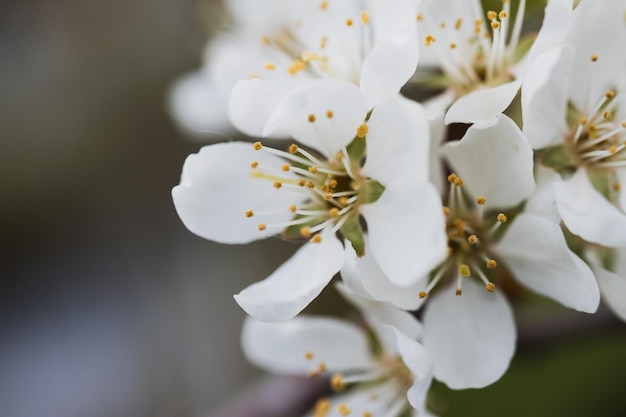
(365, 17)
(269, 67)
(440, 273)
(311, 118)
(489, 286)
(472, 239)
(336, 382)
(361, 131)
(464, 270)
(349, 22)
(329, 114)
(343, 409)
(594, 58)
(308, 355)
(249, 213)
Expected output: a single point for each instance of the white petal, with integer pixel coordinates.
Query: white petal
(554, 27)
(483, 106)
(406, 231)
(217, 188)
(379, 314)
(398, 141)
(250, 105)
(326, 134)
(587, 213)
(438, 131)
(388, 66)
(364, 276)
(419, 362)
(544, 97)
(590, 79)
(621, 178)
(281, 347)
(196, 106)
(496, 163)
(295, 283)
(613, 285)
(535, 250)
(542, 202)
(470, 337)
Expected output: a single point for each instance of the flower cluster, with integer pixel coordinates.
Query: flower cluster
(355, 173)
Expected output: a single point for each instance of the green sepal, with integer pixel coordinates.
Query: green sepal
(356, 149)
(601, 182)
(370, 191)
(557, 157)
(352, 231)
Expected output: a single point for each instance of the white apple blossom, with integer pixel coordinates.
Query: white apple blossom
(574, 108)
(381, 368)
(286, 43)
(471, 332)
(237, 192)
(480, 54)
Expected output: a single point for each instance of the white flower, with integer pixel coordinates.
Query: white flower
(382, 367)
(314, 194)
(574, 106)
(286, 43)
(481, 54)
(472, 337)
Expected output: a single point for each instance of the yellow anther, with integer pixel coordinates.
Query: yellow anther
(502, 15)
(582, 121)
(367, 414)
(344, 410)
(333, 212)
(502, 218)
(269, 66)
(478, 21)
(429, 40)
(344, 201)
(293, 148)
(285, 167)
(464, 270)
(310, 184)
(361, 131)
(329, 114)
(446, 210)
(612, 149)
(495, 25)
(609, 94)
(349, 22)
(480, 200)
(293, 208)
(323, 5)
(316, 239)
(617, 187)
(458, 23)
(339, 156)
(278, 184)
(491, 263)
(308, 355)
(257, 146)
(333, 184)
(328, 196)
(265, 40)
(296, 65)
(422, 294)
(322, 365)
(323, 42)
(254, 164)
(491, 15)
(491, 287)
(365, 17)
(308, 56)
(419, 17)
(453, 45)
(607, 115)
(594, 58)
(623, 125)
(336, 382)
(301, 183)
(262, 226)
(472, 239)
(459, 224)
(313, 169)
(442, 25)
(249, 213)
(311, 118)
(321, 407)
(458, 292)
(455, 180)
(305, 232)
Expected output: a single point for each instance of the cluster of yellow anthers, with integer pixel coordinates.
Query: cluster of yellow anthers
(469, 239)
(331, 187)
(598, 141)
(485, 57)
(287, 42)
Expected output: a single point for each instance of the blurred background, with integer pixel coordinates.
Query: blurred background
(108, 305)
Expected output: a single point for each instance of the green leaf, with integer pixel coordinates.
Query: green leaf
(352, 231)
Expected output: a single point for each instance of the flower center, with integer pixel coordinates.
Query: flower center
(298, 48)
(470, 236)
(476, 56)
(330, 191)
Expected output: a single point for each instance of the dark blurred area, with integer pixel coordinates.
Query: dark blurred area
(108, 305)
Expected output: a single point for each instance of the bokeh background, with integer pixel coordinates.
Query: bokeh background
(108, 305)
